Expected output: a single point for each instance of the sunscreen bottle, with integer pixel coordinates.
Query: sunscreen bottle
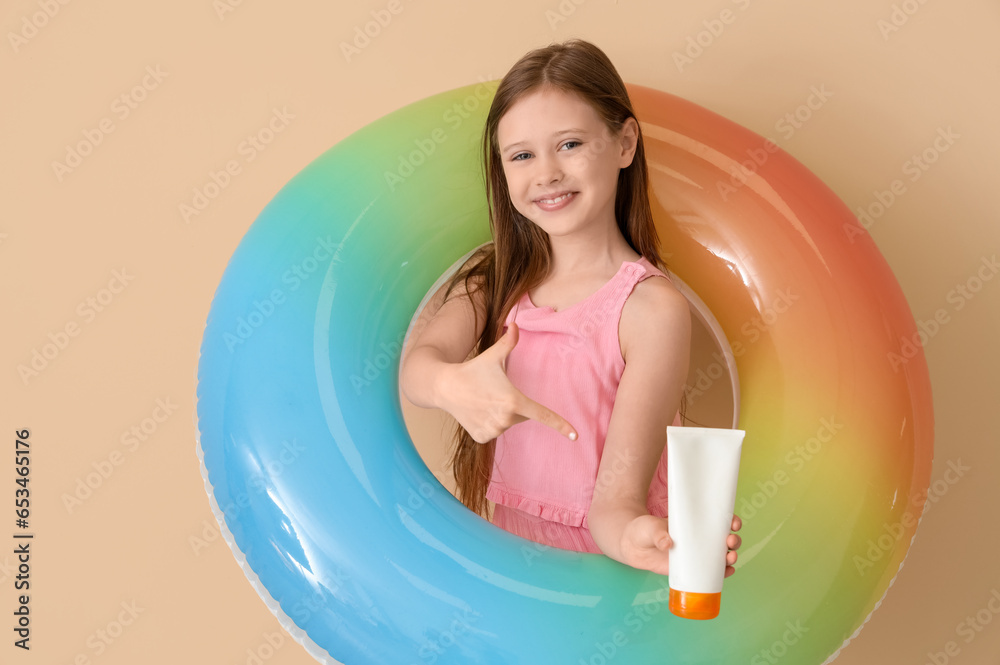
(703, 466)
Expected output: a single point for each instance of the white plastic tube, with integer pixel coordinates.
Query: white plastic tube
(703, 465)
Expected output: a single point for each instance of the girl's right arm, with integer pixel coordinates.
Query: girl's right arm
(438, 373)
(444, 334)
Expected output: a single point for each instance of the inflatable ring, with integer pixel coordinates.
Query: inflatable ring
(366, 558)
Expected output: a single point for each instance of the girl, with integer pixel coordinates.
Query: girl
(560, 361)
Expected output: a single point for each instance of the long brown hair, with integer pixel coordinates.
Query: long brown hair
(519, 257)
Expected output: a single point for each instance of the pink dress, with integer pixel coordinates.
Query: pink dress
(570, 361)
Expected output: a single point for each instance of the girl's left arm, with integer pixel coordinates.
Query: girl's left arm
(655, 334)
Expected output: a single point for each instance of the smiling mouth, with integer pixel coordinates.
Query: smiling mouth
(558, 199)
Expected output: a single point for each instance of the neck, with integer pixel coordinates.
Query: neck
(580, 253)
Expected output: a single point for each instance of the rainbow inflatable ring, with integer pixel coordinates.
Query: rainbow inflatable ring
(366, 558)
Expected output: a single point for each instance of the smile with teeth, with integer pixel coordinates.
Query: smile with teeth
(558, 199)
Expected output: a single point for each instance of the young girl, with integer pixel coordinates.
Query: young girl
(560, 361)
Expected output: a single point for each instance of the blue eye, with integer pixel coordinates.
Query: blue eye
(518, 157)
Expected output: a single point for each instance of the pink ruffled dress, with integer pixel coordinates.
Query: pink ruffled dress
(571, 362)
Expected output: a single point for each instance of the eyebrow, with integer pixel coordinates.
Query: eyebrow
(572, 130)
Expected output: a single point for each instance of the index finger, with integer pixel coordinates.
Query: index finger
(529, 408)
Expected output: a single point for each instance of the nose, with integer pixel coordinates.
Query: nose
(547, 170)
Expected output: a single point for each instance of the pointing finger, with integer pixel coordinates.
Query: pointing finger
(535, 411)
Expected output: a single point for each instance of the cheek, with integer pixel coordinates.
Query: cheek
(582, 162)
(511, 177)
(515, 189)
(609, 168)
(594, 166)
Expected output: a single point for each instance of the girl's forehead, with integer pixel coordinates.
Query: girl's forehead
(549, 96)
(546, 105)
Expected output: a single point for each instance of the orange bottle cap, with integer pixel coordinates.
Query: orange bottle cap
(691, 605)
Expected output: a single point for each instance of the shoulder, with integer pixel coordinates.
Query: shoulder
(655, 314)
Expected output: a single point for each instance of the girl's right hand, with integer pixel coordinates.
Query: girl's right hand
(478, 394)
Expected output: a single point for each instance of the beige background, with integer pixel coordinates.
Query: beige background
(61, 241)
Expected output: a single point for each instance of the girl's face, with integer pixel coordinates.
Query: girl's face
(561, 161)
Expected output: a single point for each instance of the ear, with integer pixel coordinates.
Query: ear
(628, 140)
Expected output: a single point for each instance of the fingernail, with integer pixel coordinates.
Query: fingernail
(572, 436)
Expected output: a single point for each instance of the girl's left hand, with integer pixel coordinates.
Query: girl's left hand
(646, 543)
